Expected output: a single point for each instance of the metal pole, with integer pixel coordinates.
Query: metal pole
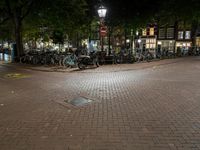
(109, 35)
(131, 41)
(102, 43)
(101, 25)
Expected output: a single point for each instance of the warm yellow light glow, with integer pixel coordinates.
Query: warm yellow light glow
(144, 32)
(198, 41)
(150, 43)
(183, 44)
(151, 31)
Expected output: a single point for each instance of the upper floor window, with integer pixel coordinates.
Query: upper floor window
(188, 35)
(161, 33)
(180, 34)
(170, 33)
(144, 32)
(151, 31)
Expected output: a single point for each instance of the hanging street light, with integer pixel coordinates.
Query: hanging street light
(102, 12)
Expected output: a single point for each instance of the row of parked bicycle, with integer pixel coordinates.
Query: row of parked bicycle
(82, 59)
(66, 59)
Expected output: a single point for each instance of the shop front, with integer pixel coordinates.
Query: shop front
(166, 45)
(183, 47)
(150, 45)
(197, 42)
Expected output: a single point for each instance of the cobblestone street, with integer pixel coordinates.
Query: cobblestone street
(144, 106)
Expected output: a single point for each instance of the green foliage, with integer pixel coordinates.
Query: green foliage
(58, 37)
(6, 32)
(66, 16)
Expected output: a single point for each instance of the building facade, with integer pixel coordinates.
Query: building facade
(168, 37)
(148, 38)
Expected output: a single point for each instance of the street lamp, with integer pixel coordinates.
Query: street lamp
(102, 14)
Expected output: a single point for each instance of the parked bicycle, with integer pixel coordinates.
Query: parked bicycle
(85, 60)
(143, 55)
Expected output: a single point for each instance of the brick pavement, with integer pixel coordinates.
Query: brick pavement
(146, 106)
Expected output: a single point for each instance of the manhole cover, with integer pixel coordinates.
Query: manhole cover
(80, 101)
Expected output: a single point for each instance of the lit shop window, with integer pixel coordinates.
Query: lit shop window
(198, 41)
(180, 35)
(185, 44)
(150, 43)
(151, 31)
(144, 32)
(188, 44)
(188, 35)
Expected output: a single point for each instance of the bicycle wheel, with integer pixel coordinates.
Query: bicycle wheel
(66, 61)
(81, 66)
(34, 60)
(22, 59)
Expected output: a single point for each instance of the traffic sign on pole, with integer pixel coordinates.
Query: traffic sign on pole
(103, 31)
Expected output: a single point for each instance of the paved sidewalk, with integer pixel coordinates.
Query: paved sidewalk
(103, 68)
(148, 106)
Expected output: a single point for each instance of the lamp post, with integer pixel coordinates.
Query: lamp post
(139, 41)
(102, 14)
(132, 46)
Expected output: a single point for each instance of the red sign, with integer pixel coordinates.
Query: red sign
(103, 31)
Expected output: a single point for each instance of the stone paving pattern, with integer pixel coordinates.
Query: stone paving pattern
(146, 106)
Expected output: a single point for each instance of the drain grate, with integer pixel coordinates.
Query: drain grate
(80, 101)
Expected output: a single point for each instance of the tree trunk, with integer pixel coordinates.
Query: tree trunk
(18, 36)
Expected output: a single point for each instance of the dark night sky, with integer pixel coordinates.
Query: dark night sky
(125, 9)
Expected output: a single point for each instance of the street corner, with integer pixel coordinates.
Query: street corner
(15, 76)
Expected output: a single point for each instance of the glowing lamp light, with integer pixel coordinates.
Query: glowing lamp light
(127, 41)
(159, 43)
(139, 40)
(102, 12)
(56, 47)
(188, 44)
(137, 33)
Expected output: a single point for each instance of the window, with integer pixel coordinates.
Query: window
(198, 41)
(151, 32)
(161, 33)
(144, 32)
(150, 43)
(180, 35)
(188, 35)
(170, 33)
